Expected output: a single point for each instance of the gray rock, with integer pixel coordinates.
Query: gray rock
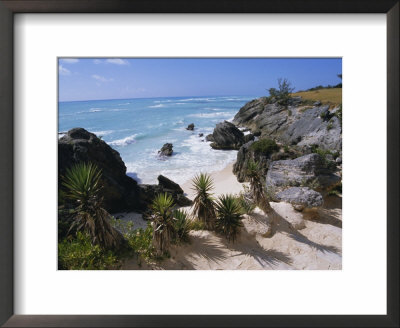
(166, 150)
(300, 197)
(317, 103)
(201, 134)
(248, 137)
(169, 184)
(165, 185)
(190, 127)
(339, 160)
(302, 128)
(119, 192)
(209, 137)
(227, 136)
(306, 170)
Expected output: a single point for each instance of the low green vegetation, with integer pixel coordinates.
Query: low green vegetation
(80, 254)
(264, 146)
(246, 205)
(336, 190)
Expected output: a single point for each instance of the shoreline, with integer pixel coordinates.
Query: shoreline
(225, 182)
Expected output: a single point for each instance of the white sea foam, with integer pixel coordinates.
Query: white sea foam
(157, 106)
(94, 110)
(102, 133)
(117, 109)
(212, 115)
(124, 142)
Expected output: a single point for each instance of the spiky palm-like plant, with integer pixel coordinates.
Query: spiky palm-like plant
(229, 216)
(259, 194)
(163, 222)
(181, 226)
(204, 207)
(82, 187)
(257, 188)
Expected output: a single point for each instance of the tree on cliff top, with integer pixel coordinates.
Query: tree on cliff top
(282, 94)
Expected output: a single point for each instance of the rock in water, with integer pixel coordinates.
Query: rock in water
(166, 150)
(120, 192)
(301, 197)
(209, 137)
(227, 136)
(190, 127)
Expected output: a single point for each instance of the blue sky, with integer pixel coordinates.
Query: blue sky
(122, 78)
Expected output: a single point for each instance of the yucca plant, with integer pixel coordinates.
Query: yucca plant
(181, 226)
(82, 187)
(204, 207)
(259, 193)
(257, 187)
(163, 222)
(229, 216)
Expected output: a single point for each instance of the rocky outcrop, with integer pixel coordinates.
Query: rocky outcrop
(169, 184)
(227, 136)
(300, 197)
(190, 127)
(310, 170)
(149, 192)
(296, 124)
(209, 137)
(246, 154)
(120, 192)
(166, 150)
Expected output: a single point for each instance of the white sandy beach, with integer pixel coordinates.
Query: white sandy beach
(315, 244)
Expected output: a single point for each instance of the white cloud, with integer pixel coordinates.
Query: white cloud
(69, 60)
(63, 71)
(101, 78)
(117, 61)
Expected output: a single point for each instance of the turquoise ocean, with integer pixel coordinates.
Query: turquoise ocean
(138, 128)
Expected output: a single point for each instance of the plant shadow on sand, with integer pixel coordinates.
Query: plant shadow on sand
(283, 226)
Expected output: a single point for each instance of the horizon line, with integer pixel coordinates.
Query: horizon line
(61, 101)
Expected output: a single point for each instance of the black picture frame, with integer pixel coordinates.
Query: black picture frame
(10, 7)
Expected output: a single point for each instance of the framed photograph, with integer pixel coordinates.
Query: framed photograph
(218, 164)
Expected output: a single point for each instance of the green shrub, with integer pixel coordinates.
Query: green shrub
(336, 190)
(140, 242)
(80, 254)
(264, 146)
(329, 126)
(196, 225)
(246, 205)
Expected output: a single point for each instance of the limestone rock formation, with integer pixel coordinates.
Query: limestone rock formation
(310, 169)
(227, 136)
(300, 197)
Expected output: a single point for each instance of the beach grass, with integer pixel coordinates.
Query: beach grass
(331, 96)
